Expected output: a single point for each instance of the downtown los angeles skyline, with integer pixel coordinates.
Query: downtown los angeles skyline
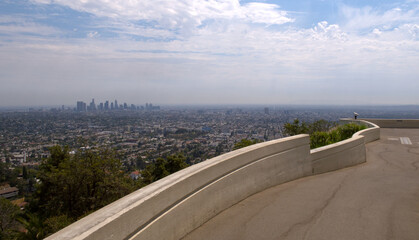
(209, 52)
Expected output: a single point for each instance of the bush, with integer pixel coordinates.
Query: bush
(318, 139)
(340, 133)
(346, 131)
(244, 143)
(322, 132)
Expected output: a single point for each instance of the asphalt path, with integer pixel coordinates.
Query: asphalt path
(375, 200)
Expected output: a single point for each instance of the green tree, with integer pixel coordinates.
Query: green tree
(79, 184)
(35, 227)
(319, 139)
(295, 128)
(8, 219)
(320, 126)
(24, 172)
(244, 143)
(159, 171)
(147, 174)
(175, 163)
(163, 167)
(4, 172)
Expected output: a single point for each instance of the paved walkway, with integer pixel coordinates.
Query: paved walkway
(375, 200)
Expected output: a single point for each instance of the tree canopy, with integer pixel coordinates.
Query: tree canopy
(244, 143)
(77, 184)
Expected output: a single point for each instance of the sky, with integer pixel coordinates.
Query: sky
(55, 52)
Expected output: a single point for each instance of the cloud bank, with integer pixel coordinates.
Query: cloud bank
(198, 51)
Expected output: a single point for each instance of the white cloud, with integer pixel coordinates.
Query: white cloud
(93, 34)
(325, 31)
(179, 13)
(228, 46)
(361, 19)
(13, 26)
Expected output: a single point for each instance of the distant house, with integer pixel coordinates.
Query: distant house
(20, 203)
(135, 175)
(9, 192)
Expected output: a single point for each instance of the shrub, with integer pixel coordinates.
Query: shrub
(244, 143)
(318, 139)
(346, 131)
(340, 133)
(322, 132)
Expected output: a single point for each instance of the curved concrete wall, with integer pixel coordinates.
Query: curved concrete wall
(395, 123)
(175, 205)
(345, 153)
(371, 134)
(338, 155)
(202, 190)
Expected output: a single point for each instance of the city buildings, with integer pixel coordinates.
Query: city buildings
(111, 106)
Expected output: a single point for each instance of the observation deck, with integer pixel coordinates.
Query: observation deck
(378, 199)
(365, 187)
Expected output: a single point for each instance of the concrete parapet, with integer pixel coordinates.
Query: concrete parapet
(395, 123)
(372, 133)
(338, 155)
(177, 204)
(133, 215)
(223, 193)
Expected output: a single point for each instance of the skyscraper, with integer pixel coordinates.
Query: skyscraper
(81, 106)
(116, 104)
(92, 105)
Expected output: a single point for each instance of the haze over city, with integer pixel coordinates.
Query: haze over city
(209, 52)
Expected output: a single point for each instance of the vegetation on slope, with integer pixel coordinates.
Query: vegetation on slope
(71, 186)
(322, 132)
(244, 143)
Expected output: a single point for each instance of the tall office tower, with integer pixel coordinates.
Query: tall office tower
(81, 106)
(92, 105)
(101, 106)
(125, 105)
(107, 105)
(111, 105)
(116, 104)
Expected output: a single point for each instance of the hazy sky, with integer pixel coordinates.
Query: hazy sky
(209, 51)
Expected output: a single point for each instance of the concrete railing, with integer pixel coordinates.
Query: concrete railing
(395, 123)
(177, 204)
(338, 155)
(372, 133)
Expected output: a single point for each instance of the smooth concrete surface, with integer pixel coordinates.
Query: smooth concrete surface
(227, 191)
(139, 211)
(375, 200)
(394, 123)
(338, 155)
(181, 202)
